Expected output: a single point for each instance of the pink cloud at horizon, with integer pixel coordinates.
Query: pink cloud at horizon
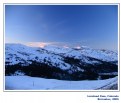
(37, 44)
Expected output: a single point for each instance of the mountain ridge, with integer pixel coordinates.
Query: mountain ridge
(75, 64)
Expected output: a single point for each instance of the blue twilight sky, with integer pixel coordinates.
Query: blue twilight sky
(95, 26)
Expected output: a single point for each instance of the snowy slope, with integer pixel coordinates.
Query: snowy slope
(113, 85)
(32, 83)
(17, 53)
(105, 55)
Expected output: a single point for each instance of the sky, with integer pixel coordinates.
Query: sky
(94, 26)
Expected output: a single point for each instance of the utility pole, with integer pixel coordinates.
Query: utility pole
(33, 83)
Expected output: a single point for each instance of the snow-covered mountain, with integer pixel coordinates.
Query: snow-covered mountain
(18, 53)
(59, 62)
(105, 55)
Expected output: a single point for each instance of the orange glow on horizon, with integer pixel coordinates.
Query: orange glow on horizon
(37, 44)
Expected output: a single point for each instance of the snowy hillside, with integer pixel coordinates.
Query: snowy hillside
(60, 62)
(105, 55)
(18, 53)
(32, 83)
